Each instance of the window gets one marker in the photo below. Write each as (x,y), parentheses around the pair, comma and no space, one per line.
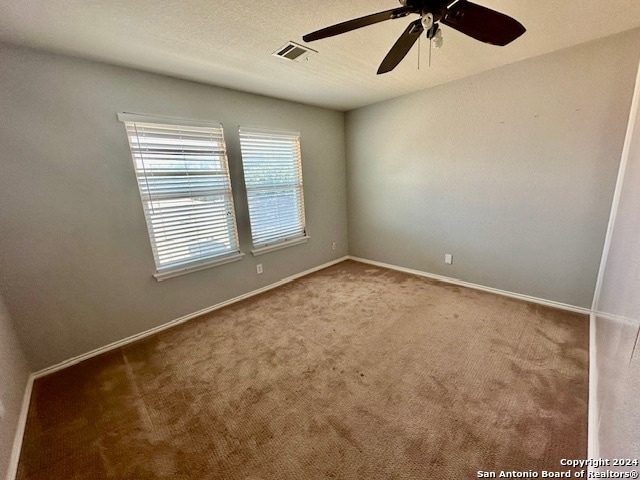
(183,178)
(273,178)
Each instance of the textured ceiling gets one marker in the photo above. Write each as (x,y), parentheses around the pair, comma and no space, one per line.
(229,42)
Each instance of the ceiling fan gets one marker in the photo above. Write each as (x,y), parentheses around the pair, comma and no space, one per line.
(477,21)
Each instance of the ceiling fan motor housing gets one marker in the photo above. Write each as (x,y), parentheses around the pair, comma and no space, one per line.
(436,7)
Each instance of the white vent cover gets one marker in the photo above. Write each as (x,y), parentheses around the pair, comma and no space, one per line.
(294,51)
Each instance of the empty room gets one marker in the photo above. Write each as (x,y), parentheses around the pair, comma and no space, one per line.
(319,240)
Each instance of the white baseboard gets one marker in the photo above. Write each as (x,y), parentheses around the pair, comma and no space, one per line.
(178,321)
(593,448)
(455,281)
(618,318)
(22,423)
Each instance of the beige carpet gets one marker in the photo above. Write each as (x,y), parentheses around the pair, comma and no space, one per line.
(353,372)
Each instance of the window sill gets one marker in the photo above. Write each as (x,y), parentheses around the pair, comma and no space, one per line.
(279,246)
(234,257)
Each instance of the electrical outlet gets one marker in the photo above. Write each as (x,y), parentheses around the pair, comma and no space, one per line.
(333,246)
(259,268)
(3,411)
(448,258)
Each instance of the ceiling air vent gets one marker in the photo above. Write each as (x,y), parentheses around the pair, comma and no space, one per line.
(293,51)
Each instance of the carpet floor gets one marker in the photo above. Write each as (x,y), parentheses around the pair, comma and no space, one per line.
(353,372)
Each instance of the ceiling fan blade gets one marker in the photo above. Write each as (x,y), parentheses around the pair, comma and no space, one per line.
(358,23)
(483,23)
(401,47)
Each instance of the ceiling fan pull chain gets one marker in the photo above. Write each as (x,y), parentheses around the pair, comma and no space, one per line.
(419,41)
(430,42)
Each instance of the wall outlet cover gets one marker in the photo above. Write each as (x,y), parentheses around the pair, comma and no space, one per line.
(448,258)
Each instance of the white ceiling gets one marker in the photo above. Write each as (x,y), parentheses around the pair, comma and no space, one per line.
(229,42)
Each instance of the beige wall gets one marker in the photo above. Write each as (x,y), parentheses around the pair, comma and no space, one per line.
(14,374)
(618,320)
(73,239)
(512,171)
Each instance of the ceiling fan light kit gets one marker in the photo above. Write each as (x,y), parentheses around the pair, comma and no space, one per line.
(427,20)
(476,21)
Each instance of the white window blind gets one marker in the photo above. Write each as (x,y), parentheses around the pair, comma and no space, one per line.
(183,177)
(273,178)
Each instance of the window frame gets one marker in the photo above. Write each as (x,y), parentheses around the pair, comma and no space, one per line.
(284,241)
(203,261)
